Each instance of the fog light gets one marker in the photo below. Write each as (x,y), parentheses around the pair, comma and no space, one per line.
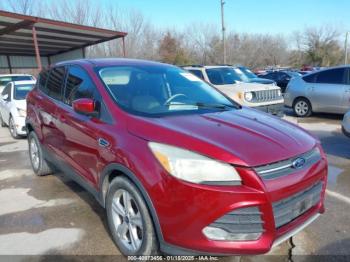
(215,233)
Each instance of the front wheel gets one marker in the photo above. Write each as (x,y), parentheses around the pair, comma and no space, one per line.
(302,107)
(39,164)
(2,123)
(129,221)
(13,129)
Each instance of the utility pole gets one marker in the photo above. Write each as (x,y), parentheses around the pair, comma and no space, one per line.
(346,48)
(223,31)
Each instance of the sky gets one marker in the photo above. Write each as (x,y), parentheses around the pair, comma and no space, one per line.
(251,16)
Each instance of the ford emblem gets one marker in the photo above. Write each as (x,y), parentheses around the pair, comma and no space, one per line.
(298,163)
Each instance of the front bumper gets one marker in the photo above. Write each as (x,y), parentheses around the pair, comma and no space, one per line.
(275,109)
(21,126)
(190,208)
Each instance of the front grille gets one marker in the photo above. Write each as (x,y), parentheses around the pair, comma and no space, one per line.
(266,95)
(292,207)
(241,221)
(286,167)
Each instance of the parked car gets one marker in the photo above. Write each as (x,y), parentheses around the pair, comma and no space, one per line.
(250,77)
(13,106)
(267,98)
(282,78)
(346,124)
(178,165)
(5,79)
(326,91)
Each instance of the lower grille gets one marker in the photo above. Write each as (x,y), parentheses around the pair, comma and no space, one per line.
(292,207)
(244,224)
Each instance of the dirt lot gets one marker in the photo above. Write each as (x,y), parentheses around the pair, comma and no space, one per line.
(54,216)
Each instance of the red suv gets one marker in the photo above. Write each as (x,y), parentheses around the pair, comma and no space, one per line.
(178,166)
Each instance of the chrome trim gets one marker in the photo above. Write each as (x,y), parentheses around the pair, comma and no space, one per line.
(275,169)
(295,230)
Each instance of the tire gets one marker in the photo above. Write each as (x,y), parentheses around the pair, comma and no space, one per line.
(2,123)
(37,160)
(302,107)
(12,128)
(137,219)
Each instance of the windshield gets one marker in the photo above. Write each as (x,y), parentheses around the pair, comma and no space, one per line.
(223,76)
(294,74)
(248,73)
(4,80)
(21,91)
(161,90)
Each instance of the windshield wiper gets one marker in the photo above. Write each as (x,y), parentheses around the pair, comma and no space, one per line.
(206,105)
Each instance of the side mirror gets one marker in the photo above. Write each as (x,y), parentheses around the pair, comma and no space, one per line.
(84,106)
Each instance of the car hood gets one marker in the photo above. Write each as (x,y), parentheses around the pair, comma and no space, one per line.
(244,87)
(243,137)
(261,81)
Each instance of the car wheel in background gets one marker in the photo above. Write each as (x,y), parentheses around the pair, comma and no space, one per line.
(39,164)
(13,129)
(129,220)
(302,107)
(2,123)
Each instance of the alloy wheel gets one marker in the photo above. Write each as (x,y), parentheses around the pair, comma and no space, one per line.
(127,220)
(34,154)
(12,128)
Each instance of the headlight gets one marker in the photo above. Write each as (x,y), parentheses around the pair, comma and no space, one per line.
(21,112)
(192,167)
(248,96)
(279,93)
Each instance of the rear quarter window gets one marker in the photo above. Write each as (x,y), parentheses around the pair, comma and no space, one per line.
(310,78)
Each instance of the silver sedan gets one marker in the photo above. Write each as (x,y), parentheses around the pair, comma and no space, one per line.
(326,91)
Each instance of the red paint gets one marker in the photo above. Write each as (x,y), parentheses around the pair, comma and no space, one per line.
(243,137)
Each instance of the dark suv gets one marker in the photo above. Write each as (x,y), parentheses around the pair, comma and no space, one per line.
(177,165)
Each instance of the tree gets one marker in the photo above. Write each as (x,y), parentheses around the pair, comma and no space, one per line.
(171,51)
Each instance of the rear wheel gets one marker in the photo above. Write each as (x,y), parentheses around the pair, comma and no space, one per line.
(302,107)
(39,164)
(129,221)
(13,129)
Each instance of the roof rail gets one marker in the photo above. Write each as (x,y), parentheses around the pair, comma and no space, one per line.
(192,66)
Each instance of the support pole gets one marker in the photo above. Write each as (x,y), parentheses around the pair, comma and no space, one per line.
(84,52)
(223,30)
(346,48)
(9,63)
(124,51)
(36,46)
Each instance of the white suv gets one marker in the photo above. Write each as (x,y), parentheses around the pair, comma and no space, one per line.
(267,98)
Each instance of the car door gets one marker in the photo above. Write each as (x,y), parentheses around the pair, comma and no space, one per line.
(346,97)
(327,92)
(5,102)
(51,87)
(82,133)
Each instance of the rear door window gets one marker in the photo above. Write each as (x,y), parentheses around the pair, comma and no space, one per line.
(310,78)
(332,76)
(54,85)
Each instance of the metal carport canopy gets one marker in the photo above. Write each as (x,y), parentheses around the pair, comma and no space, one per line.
(25,36)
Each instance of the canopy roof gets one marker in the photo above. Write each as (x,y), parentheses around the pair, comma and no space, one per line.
(18,33)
